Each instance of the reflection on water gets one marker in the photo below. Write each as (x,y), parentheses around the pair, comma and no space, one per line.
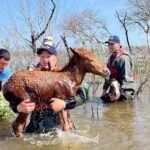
(99,126)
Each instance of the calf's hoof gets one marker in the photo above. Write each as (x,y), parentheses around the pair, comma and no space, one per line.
(16,130)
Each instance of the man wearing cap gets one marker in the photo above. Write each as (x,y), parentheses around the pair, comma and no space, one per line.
(45,119)
(121,69)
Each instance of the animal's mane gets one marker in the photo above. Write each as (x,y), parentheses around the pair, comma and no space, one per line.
(72,57)
(82,52)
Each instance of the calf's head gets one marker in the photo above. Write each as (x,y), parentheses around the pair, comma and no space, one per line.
(90,63)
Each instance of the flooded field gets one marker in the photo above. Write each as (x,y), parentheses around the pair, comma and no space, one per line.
(117,126)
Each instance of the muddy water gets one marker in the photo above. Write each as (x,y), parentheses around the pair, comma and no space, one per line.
(117,126)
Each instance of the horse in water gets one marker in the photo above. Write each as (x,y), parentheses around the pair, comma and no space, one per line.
(40,86)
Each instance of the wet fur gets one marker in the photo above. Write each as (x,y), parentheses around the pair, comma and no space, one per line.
(42,86)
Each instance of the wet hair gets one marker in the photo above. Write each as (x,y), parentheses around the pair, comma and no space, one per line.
(4,54)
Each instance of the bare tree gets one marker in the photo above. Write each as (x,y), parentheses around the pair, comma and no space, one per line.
(63,37)
(37,24)
(123,19)
(86,27)
(140,15)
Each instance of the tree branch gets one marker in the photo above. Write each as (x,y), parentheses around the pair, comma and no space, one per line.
(48,22)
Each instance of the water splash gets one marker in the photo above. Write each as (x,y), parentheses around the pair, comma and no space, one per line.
(76,138)
(63,138)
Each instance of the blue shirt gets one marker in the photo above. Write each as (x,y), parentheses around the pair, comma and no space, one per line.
(5,74)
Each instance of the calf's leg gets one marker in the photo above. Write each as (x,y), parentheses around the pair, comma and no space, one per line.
(65,121)
(19,124)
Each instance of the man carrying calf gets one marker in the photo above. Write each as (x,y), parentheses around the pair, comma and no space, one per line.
(45,119)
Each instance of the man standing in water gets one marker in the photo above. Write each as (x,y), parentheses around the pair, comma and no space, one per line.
(45,119)
(121,69)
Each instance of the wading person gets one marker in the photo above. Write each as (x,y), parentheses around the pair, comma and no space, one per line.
(5,71)
(45,119)
(121,69)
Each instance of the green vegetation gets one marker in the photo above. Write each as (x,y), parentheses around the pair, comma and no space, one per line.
(5,110)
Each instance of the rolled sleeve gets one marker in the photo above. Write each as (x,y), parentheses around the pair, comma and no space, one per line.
(81,97)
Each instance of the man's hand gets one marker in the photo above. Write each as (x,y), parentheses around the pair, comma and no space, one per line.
(57,104)
(26,106)
(53,60)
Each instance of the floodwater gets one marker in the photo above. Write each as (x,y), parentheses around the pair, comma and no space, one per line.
(115,126)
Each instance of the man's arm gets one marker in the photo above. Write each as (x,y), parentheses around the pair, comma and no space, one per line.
(81,97)
(25,106)
(125,70)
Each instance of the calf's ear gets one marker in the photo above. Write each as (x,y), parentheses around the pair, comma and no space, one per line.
(73,50)
(77,51)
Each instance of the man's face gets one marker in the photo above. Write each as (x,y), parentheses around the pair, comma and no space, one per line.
(3,64)
(113,47)
(47,58)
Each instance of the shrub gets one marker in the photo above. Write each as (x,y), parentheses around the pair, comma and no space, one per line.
(5,110)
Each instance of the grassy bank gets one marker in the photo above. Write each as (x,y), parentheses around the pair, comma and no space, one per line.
(5,110)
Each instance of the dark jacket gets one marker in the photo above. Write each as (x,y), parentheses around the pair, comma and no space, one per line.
(121,67)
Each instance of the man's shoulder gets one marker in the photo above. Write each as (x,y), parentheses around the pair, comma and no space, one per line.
(125,55)
(7,70)
(5,74)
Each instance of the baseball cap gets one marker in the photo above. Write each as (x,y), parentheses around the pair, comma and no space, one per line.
(48,45)
(50,49)
(113,39)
